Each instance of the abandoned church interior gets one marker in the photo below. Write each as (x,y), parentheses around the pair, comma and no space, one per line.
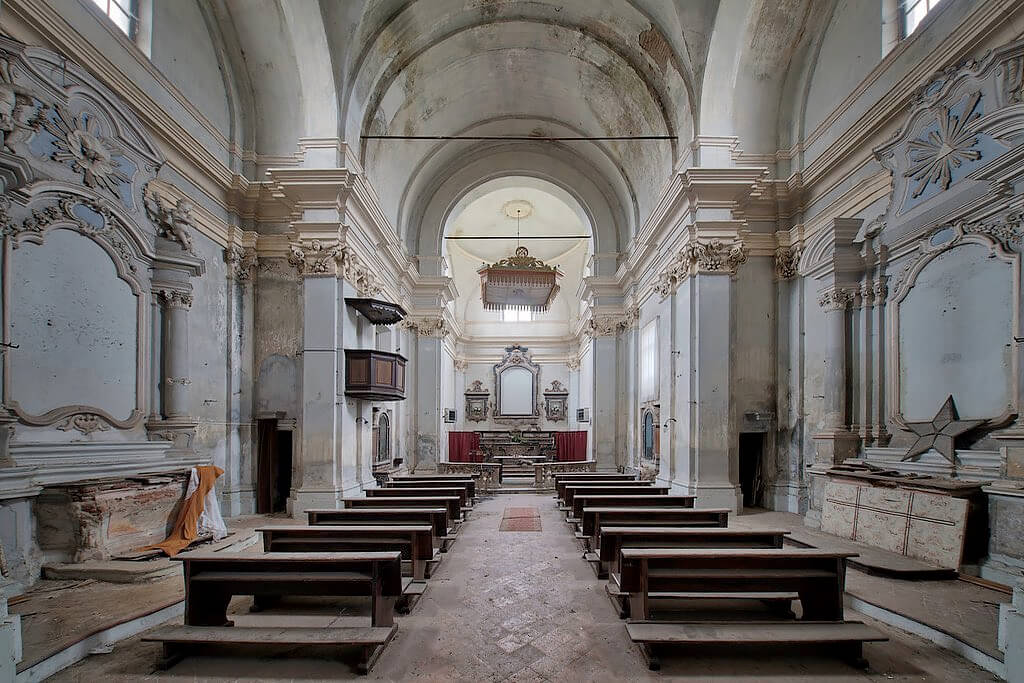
(512,340)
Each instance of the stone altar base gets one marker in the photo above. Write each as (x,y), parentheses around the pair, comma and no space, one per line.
(95,520)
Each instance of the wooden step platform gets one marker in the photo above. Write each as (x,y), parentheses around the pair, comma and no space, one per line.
(849,636)
(177,640)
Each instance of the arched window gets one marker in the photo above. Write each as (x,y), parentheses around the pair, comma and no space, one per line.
(912,13)
(124,14)
(382,446)
(650,437)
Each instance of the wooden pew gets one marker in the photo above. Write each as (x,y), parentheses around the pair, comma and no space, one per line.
(595,518)
(656,496)
(560,485)
(459,492)
(592,476)
(417,479)
(212,579)
(451,503)
(415,542)
(466,486)
(615,538)
(436,517)
(570,490)
(817,576)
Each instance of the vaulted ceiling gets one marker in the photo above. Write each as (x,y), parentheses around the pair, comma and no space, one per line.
(537,68)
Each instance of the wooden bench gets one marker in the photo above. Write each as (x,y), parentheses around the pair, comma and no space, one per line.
(845,637)
(817,576)
(459,492)
(656,497)
(595,518)
(437,518)
(212,579)
(415,542)
(451,503)
(615,538)
(412,481)
(571,489)
(562,484)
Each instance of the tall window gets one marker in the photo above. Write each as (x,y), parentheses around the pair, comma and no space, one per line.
(649,361)
(516,316)
(124,14)
(912,12)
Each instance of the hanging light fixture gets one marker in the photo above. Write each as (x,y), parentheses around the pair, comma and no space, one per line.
(518,282)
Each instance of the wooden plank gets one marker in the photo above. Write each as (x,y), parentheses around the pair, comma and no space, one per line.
(732,553)
(658,498)
(570,491)
(595,517)
(437,517)
(311,558)
(280,577)
(246,635)
(752,633)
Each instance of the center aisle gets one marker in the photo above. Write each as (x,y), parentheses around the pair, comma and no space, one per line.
(517,604)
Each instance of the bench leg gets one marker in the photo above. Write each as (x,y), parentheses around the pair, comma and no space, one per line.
(854,654)
(383,611)
(650,657)
(172,654)
(419,569)
(638,606)
(371,653)
(207,608)
(602,569)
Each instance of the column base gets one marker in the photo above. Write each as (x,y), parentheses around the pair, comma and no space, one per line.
(789,496)
(724,495)
(310,499)
(239,502)
(833,446)
(816,479)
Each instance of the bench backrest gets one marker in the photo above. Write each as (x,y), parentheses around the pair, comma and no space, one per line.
(595,517)
(655,496)
(414,542)
(437,517)
(382,566)
(450,502)
(459,492)
(467,484)
(572,488)
(614,538)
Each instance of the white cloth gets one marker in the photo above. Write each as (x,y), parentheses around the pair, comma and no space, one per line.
(210,520)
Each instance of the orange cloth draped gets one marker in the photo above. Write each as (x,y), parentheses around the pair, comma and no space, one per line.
(186,527)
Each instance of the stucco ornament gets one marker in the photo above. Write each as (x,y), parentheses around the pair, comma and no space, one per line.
(787,262)
(173,222)
(8,105)
(80,143)
(429,326)
(934,156)
(87,423)
(940,432)
(242,261)
(700,256)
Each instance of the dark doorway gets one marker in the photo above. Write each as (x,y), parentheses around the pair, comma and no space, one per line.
(274,471)
(751,473)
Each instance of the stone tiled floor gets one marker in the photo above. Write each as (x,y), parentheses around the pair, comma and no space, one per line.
(524,606)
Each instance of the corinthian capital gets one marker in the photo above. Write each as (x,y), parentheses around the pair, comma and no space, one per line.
(837,298)
(701,256)
(174,298)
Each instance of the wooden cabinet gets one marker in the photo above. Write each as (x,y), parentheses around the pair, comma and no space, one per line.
(374,375)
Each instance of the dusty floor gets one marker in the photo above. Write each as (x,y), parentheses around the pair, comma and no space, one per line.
(524,606)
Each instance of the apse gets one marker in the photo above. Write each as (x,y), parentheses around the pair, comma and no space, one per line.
(488,223)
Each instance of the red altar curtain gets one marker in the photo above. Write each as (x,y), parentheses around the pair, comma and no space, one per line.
(461,446)
(570,446)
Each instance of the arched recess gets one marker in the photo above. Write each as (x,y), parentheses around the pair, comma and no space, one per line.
(428,213)
(752,49)
(290,65)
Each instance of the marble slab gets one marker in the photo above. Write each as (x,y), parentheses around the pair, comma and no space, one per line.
(926,526)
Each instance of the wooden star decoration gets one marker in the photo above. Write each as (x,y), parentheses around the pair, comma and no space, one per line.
(940,433)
